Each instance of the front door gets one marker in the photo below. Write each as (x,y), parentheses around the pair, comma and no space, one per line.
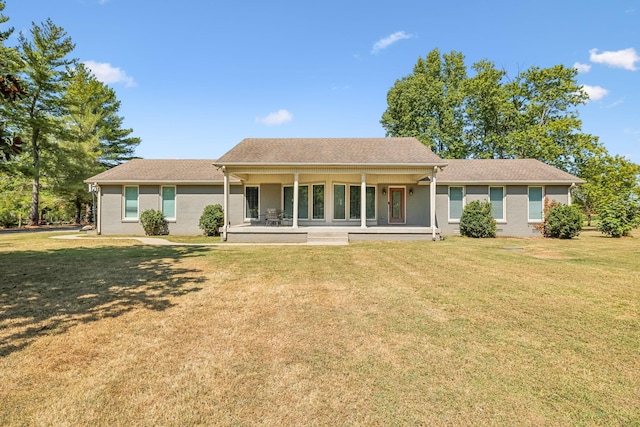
(396,205)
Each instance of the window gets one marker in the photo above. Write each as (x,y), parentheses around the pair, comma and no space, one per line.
(354,202)
(456,202)
(252,205)
(169,202)
(339,201)
(536,205)
(131,202)
(303,201)
(318,201)
(496,197)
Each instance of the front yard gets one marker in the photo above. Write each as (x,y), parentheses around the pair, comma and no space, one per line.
(460,332)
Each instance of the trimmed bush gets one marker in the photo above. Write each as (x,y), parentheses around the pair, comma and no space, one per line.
(153,223)
(211,220)
(563,221)
(617,218)
(477,220)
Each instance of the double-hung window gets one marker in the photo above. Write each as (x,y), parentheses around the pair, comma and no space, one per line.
(456,203)
(252,202)
(169,202)
(130,202)
(536,204)
(496,197)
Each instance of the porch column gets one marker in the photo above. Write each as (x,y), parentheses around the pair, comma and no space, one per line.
(432,202)
(295,200)
(98,210)
(363,198)
(225,203)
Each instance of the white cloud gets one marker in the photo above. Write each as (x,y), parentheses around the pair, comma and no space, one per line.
(105,73)
(389,40)
(595,92)
(625,58)
(582,68)
(277,118)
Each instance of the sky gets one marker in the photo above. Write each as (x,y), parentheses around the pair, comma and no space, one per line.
(195,77)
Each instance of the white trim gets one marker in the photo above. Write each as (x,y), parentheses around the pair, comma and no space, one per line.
(244,207)
(529,219)
(175,202)
(124,204)
(502,220)
(464,202)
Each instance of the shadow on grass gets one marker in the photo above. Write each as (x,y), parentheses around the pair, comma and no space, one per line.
(50,291)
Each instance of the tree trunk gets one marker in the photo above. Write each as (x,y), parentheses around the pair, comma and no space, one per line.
(34,214)
(78,217)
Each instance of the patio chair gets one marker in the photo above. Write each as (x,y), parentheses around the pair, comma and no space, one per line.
(273,217)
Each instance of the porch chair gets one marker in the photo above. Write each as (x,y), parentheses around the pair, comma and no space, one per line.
(273,217)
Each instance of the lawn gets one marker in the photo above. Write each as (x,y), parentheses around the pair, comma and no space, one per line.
(459,332)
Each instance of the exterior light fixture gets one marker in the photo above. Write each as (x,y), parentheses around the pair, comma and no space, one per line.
(384,191)
(411,191)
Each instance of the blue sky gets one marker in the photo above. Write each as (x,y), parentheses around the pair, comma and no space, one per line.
(195,77)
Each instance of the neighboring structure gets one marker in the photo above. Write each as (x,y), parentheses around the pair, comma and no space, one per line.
(361,188)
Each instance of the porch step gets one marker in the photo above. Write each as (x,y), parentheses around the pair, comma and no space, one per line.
(327,238)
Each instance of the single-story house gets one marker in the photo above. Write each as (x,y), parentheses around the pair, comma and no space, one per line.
(292,189)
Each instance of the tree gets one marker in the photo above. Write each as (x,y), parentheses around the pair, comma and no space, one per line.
(429,104)
(11,88)
(93,139)
(489,115)
(38,114)
(609,178)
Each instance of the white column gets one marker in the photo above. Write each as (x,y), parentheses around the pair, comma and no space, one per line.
(363,201)
(432,202)
(98,210)
(295,200)
(225,203)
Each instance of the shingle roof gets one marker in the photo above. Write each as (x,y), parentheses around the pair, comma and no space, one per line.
(330,151)
(503,171)
(164,170)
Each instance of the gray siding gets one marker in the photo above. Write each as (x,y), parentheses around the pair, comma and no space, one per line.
(517,207)
(190,202)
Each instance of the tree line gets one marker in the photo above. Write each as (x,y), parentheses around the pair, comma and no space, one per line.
(58,126)
(488,114)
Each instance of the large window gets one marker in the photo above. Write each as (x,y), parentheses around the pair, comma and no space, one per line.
(169,202)
(318,201)
(303,201)
(339,201)
(354,202)
(131,202)
(536,204)
(252,202)
(496,197)
(456,203)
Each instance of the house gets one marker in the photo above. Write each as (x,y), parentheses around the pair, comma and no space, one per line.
(290,189)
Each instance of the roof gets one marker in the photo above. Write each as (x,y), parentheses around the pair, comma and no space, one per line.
(160,171)
(503,171)
(330,151)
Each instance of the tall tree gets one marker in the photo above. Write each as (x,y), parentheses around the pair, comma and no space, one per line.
(38,114)
(93,139)
(11,88)
(429,104)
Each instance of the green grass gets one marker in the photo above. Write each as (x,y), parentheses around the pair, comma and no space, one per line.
(459,332)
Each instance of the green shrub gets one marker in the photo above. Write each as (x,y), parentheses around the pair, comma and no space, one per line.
(153,223)
(562,221)
(618,217)
(211,220)
(477,220)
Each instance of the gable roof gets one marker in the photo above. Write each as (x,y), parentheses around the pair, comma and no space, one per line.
(161,171)
(503,171)
(330,151)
